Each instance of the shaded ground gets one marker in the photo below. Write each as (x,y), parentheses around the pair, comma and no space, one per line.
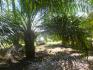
(55,57)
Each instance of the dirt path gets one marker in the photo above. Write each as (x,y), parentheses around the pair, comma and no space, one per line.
(55,58)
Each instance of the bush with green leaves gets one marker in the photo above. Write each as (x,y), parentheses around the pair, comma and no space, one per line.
(67,29)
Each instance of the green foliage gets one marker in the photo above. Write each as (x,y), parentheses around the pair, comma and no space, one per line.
(60,22)
(67,29)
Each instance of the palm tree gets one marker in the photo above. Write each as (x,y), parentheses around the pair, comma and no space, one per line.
(66,26)
(20,19)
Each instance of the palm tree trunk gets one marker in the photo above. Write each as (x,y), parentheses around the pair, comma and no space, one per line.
(29,45)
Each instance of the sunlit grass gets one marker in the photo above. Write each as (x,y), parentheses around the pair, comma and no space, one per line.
(53,42)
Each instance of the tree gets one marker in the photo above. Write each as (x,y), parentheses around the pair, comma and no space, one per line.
(20,22)
(65,25)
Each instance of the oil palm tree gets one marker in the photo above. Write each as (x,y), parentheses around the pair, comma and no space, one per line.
(20,19)
(66,26)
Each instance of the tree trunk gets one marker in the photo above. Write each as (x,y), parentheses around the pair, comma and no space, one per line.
(29,45)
